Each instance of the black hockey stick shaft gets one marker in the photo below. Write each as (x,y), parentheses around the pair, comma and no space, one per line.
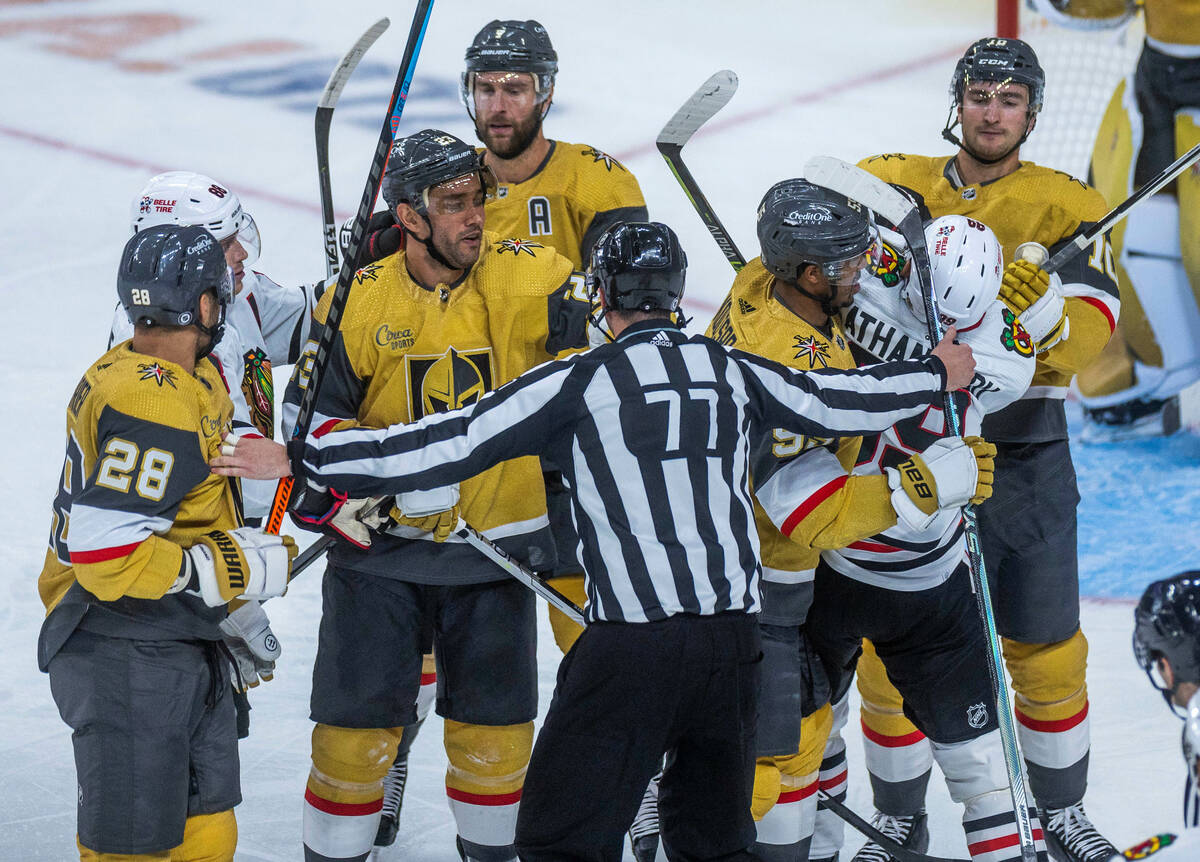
(701,107)
(899,853)
(416,34)
(324,118)
(874,193)
(711,96)
(1121,210)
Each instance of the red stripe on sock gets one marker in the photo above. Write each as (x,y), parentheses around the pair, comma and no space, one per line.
(993,844)
(819,497)
(798,794)
(428,678)
(343,809)
(892,741)
(840,778)
(483,798)
(1060,726)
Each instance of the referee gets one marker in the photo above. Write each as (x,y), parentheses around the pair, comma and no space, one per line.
(653,433)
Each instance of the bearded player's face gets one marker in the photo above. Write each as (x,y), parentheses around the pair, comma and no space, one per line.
(994,115)
(508,114)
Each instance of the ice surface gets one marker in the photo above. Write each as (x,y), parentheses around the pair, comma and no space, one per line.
(100,95)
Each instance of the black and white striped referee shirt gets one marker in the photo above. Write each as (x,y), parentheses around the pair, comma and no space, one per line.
(653,435)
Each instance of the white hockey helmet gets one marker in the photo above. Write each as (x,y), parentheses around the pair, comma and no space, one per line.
(967,264)
(189,198)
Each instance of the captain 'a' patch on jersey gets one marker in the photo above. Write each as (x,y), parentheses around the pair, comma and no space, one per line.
(447,382)
(574,195)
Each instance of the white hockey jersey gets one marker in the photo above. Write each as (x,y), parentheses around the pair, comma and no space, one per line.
(266,325)
(882,326)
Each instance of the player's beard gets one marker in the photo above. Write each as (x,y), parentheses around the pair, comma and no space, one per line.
(454,253)
(990,148)
(523,134)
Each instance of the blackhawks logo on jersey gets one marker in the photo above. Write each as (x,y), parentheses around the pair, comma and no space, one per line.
(812,349)
(888,264)
(516,246)
(154,371)
(1014,337)
(1150,846)
(455,379)
(259,389)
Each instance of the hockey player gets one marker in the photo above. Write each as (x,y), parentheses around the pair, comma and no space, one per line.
(1166,643)
(455,314)
(908,587)
(1153,117)
(668,662)
(1028,526)
(146,552)
(554,193)
(267,324)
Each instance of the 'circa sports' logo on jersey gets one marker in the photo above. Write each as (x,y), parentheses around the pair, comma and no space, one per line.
(516,246)
(211,425)
(154,371)
(599,156)
(396,339)
(816,351)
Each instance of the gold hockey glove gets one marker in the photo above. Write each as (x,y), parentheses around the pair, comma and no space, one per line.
(1035,297)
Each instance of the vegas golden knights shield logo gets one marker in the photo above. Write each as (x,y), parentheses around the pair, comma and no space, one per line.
(455,379)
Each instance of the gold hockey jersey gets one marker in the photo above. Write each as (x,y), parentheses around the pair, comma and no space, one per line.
(403,351)
(1176,22)
(135,490)
(1042,205)
(573,196)
(829,512)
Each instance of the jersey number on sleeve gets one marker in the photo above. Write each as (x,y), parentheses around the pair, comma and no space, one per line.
(72,480)
(121,456)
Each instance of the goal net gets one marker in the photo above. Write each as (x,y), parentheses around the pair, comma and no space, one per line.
(1082,68)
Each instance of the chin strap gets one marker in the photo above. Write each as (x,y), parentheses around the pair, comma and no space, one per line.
(952,123)
(430,247)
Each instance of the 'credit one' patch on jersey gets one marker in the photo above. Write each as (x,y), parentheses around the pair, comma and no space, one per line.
(447,382)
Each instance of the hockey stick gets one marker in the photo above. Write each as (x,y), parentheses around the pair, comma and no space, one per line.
(898,852)
(325,105)
(1121,210)
(416,34)
(712,96)
(481,543)
(878,196)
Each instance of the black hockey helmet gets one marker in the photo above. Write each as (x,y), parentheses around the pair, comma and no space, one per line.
(165,270)
(511,46)
(638,266)
(800,224)
(1167,625)
(996,59)
(423,160)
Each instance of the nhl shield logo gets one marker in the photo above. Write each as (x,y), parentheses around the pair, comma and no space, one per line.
(977,715)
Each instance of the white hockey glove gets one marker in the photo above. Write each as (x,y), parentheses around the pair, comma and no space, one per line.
(1036,298)
(949,474)
(254,647)
(434,511)
(242,563)
(356,519)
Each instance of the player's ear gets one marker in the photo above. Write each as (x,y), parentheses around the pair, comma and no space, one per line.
(410,220)
(1166,672)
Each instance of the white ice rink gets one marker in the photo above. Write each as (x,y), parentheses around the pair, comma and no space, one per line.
(98,96)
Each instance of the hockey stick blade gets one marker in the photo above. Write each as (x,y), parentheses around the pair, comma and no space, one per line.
(710,98)
(324,118)
(703,105)
(901,854)
(858,185)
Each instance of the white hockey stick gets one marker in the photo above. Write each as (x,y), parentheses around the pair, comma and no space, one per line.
(875,194)
(325,105)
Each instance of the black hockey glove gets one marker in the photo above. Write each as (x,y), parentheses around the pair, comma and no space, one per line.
(381,238)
